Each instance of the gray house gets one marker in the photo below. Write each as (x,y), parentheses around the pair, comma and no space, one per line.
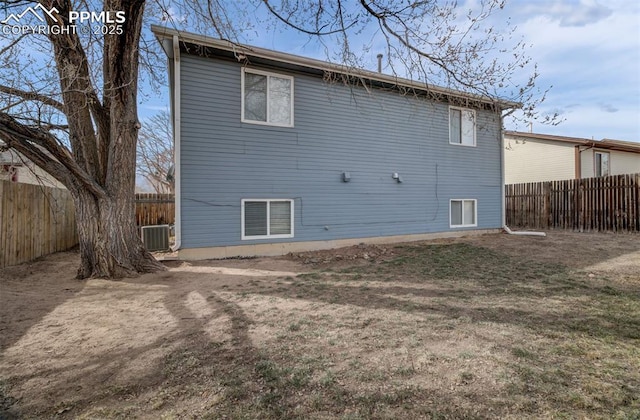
(278,153)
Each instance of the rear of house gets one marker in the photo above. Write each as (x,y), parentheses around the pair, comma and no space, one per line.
(278,153)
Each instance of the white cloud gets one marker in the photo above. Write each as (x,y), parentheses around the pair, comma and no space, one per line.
(592,122)
(594,67)
(608,108)
(569,13)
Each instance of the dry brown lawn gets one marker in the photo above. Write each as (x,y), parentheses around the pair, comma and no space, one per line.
(495,326)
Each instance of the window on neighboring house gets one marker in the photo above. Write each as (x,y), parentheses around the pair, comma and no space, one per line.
(267,98)
(10,171)
(602,163)
(267,219)
(463,213)
(462,126)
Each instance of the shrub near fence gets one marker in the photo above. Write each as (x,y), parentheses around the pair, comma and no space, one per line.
(592,204)
(155,209)
(34,221)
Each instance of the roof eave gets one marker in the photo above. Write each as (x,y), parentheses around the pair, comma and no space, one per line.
(162,32)
(605,144)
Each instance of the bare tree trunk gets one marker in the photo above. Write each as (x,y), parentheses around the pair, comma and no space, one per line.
(109,241)
(110,245)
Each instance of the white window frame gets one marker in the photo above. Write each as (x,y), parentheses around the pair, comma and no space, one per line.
(475,125)
(268,75)
(475,213)
(268,235)
(595,161)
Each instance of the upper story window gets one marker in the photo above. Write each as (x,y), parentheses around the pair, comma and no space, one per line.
(462,126)
(267,98)
(601,164)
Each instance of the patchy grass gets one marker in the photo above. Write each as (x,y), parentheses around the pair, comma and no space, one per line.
(472,328)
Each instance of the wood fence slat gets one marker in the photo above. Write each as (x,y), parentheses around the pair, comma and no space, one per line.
(30,223)
(636,200)
(155,209)
(592,204)
(37,220)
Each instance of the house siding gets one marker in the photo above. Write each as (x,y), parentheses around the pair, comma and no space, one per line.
(624,162)
(337,128)
(587,169)
(620,163)
(531,160)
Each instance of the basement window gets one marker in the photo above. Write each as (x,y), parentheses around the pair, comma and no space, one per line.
(267,218)
(463,213)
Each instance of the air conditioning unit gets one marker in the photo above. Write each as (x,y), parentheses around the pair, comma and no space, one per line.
(156,238)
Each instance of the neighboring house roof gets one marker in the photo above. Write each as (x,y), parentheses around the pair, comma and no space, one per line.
(28,172)
(9,157)
(295,62)
(619,145)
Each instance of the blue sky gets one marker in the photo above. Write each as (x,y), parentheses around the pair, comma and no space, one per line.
(590,52)
(587,50)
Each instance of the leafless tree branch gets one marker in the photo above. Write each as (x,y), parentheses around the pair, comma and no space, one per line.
(316,32)
(49,155)
(32,96)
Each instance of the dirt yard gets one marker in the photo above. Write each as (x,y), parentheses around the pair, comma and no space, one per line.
(495,326)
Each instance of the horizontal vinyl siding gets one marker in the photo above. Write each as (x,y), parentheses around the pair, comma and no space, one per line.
(531,160)
(624,162)
(337,129)
(620,163)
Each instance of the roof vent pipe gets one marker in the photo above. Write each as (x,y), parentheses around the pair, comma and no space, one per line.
(379,63)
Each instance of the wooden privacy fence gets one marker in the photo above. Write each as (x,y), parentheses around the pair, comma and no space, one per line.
(34,221)
(593,204)
(155,209)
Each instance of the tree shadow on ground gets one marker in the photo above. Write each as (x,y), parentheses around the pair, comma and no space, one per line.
(190,364)
(200,376)
(28,294)
(481,284)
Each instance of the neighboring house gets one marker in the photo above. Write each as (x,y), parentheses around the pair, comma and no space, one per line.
(278,153)
(530,157)
(15,167)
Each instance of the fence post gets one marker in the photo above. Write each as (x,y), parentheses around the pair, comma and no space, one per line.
(601,204)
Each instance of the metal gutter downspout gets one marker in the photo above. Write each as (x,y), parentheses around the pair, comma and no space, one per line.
(176,142)
(503,189)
